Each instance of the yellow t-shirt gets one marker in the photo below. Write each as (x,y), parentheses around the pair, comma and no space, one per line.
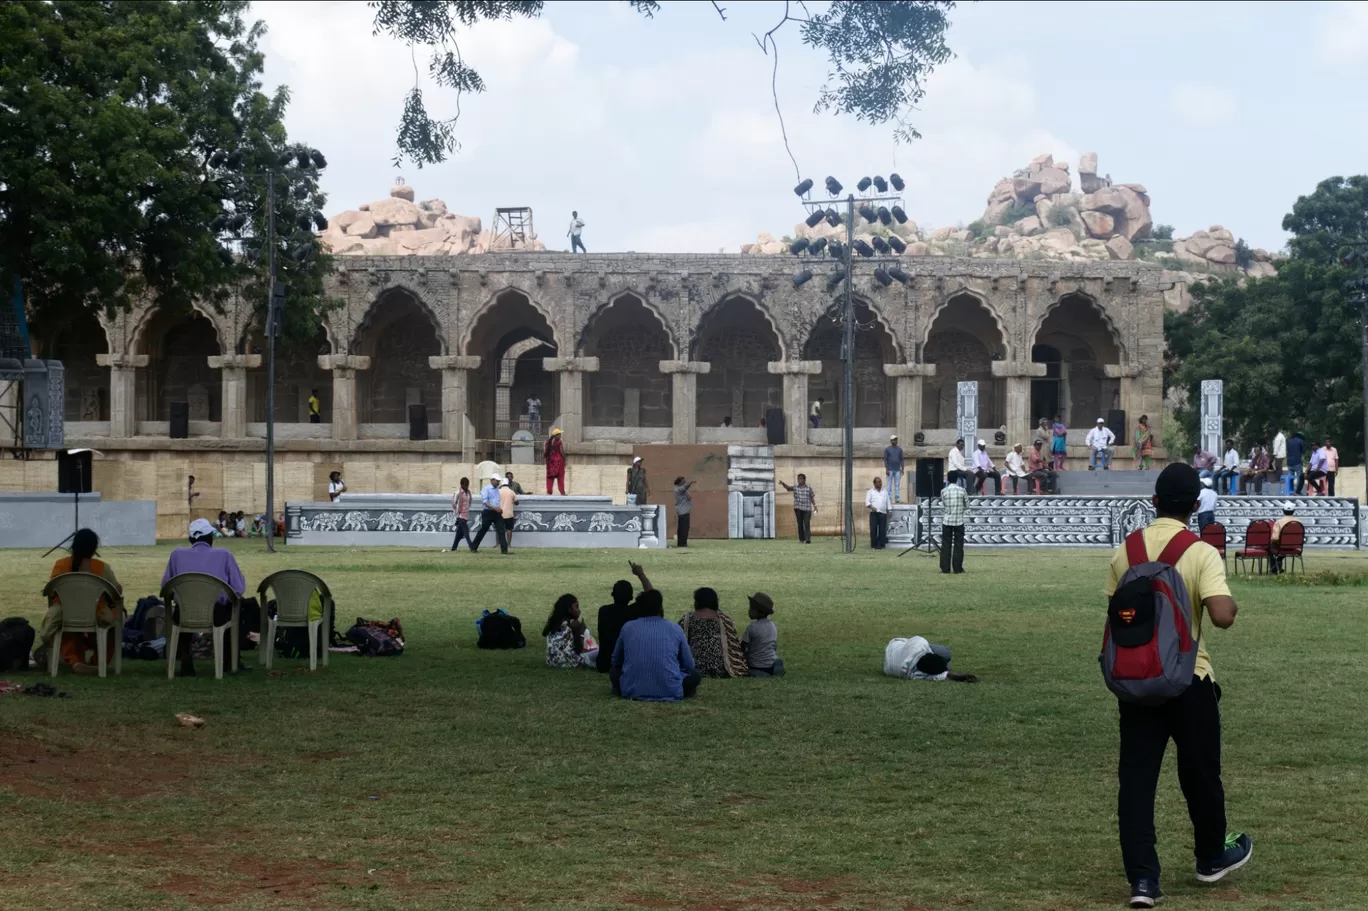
(314,407)
(1202,570)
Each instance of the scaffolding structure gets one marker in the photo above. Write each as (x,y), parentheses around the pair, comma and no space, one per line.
(512,228)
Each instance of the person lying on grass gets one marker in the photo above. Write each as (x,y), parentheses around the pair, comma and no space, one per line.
(568,642)
(918,659)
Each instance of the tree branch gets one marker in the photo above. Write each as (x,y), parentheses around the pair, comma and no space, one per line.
(767,43)
(721,10)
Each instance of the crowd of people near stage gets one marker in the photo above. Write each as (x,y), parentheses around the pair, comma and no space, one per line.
(1311,468)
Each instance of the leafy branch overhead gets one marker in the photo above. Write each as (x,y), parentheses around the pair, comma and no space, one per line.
(880,54)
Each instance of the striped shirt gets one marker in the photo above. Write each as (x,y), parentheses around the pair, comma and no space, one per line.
(802,498)
(654,657)
(954,502)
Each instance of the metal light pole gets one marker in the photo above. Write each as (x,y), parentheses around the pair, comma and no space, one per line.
(271,330)
(1360,248)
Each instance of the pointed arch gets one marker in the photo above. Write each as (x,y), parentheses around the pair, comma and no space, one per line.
(963,337)
(510,320)
(959,294)
(1075,338)
(399,333)
(624,296)
(386,298)
(1081,300)
(509,295)
(740,338)
(731,297)
(630,338)
(875,345)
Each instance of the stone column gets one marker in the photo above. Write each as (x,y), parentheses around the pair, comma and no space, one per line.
(344,367)
(233,422)
(795,374)
(908,414)
(456,423)
(1018,375)
(684,398)
(123,392)
(571,370)
(1131,401)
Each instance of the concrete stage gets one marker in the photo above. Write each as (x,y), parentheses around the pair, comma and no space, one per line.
(44,519)
(427,520)
(1104,521)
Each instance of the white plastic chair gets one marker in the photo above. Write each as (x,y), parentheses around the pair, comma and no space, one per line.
(80,594)
(195,594)
(293,589)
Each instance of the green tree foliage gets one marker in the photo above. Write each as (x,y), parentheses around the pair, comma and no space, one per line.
(1287,346)
(1162,232)
(880,55)
(109,115)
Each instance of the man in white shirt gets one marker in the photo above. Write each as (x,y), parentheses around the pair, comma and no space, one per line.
(1279,454)
(1099,442)
(1206,504)
(576,226)
(336,486)
(1230,467)
(534,414)
(1016,469)
(815,412)
(985,469)
(955,468)
(876,501)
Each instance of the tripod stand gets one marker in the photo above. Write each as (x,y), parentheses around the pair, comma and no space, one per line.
(932,548)
(75,499)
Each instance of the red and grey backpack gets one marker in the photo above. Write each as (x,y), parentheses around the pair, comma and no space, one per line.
(1148,654)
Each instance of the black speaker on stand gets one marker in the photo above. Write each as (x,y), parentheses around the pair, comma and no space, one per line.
(774,427)
(180,420)
(73,477)
(1116,422)
(930,478)
(418,428)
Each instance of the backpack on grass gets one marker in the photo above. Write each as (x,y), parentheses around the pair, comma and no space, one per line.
(499,629)
(377,638)
(1148,654)
(16,642)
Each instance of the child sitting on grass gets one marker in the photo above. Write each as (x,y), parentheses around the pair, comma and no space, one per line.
(760,642)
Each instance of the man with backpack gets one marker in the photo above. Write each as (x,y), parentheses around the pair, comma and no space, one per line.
(1154,658)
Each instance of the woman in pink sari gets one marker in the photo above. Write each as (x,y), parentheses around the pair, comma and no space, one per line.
(554,457)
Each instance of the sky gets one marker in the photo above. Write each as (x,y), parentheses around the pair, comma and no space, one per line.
(662,132)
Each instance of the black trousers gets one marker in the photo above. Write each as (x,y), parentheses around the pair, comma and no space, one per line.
(315,419)
(980,476)
(490,517)
(952,548)
(878,530)
(1330,478)
(462,534)
(1193,721)
(804,517)
(691,682)
(1315,478)
(682,530)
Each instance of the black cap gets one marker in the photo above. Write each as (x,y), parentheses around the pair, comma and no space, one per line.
(1177,488)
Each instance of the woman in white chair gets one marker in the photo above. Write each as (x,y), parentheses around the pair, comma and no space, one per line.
(77,648)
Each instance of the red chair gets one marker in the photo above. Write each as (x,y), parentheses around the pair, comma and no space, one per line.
(1290,542)
(1215,535)
(1258,537)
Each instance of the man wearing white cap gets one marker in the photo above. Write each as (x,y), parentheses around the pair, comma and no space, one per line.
(1206,504)
(636,482)
(1275,562)
(201,557)
(491,513)
(893,467)
(1100,441)
(985,469)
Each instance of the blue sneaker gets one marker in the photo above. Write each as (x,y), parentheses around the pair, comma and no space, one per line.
(1239,848)
(1145,893)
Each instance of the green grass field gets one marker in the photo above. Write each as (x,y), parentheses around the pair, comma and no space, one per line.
(455,778)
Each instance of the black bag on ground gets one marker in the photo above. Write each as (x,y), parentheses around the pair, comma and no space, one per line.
(16,643)
(377,638)
(500,629)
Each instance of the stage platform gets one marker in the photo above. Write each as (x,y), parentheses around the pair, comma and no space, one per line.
(1106,483)
(1104,521)
(44,519)
(427,520)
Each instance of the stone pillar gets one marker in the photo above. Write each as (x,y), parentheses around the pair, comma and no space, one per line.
(233,422)
(908,408)
(344,367)
(967,412)
(123,391)
(456,424)
(1131,401)
(1018,375)
(684,398)
(571,370)
(1211,434)
(795,374)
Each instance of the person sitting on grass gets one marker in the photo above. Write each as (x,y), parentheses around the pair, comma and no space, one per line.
(652,661)
(760,641)
(223,527)
(568,642)
(201,557)
(613,617)
(712,637)
(78,649)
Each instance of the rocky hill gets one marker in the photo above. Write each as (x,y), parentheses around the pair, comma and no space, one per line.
(1037,214)
(398,226)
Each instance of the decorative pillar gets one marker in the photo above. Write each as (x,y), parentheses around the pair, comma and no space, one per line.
(123,392)
(233,422)
(795,374)
(344,367)
(684,398)
(1212,436)
(1018,375)
(908,414)
(571,370)
(967,412)
(456,424)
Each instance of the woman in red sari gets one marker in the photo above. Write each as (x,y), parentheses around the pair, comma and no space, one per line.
(554,457)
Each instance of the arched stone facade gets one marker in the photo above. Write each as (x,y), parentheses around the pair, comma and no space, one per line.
(643,348)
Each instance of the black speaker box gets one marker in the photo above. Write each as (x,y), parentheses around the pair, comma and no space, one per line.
(774,427)
(180,420)
(930,477)
(73,472)
(1116,422)
(418,422)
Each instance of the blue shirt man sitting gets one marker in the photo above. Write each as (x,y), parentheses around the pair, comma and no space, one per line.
(652,661)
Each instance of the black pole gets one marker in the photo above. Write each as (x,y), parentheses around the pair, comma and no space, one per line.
(271,329)
(848,403)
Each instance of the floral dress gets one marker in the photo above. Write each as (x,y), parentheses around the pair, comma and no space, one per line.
(715,645)
(560,649)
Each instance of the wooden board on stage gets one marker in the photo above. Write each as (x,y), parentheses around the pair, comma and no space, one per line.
(705,464)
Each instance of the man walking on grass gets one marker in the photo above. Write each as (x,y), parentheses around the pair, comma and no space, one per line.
(1192,719)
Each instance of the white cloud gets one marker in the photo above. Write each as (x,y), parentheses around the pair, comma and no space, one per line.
(681,152)
(1344,32)
(1203,105)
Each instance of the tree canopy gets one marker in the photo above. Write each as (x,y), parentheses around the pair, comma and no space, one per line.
(880,56)
(1287,346)
(109,115)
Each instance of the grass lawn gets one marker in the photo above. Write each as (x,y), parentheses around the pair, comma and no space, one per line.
(455,778)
